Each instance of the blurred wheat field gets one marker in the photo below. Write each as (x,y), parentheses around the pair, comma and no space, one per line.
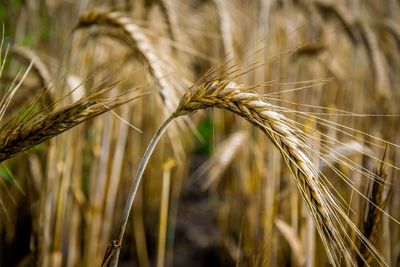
(280,145)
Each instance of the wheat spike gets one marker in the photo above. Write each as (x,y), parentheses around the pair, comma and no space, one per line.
(138,40)
(231,96)
(41,127)
(228,95)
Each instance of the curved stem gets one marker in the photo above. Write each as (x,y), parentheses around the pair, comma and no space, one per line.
(112,254)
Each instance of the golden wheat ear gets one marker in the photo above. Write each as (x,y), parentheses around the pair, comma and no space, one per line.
(296,153)
(228,95)
(16,137)
(138,41)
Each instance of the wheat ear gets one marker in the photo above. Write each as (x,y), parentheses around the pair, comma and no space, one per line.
(41,127)
(251,106)
(134,36)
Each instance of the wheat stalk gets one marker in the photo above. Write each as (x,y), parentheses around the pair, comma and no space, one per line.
(393,28)
(294,242)
(371,224)
(377,59)
(335,10)
(220,160)
(228,95)
(39,68)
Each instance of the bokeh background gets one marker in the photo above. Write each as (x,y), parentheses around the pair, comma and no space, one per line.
(216,191)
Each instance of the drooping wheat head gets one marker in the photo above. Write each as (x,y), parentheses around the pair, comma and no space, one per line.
(230,96)
(136,38)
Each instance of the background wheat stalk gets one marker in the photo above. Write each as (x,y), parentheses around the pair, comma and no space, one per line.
(372,219)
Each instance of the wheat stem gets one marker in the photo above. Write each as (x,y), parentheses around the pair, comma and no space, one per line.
(112,254)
